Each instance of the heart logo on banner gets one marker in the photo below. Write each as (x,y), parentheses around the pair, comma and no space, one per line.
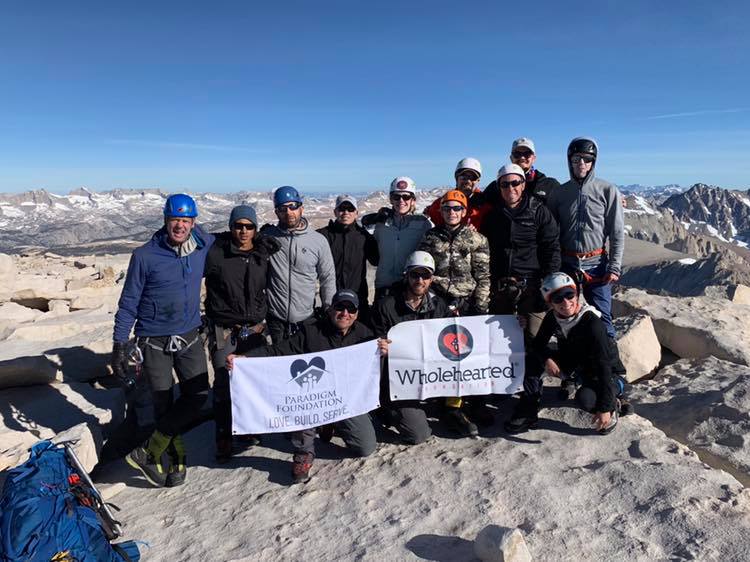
(457,343)
(304,373)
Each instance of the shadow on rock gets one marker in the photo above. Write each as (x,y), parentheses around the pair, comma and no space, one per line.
(441,549)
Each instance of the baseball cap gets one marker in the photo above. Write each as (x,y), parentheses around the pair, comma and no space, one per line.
(346,199)
(345,295)
(523,142)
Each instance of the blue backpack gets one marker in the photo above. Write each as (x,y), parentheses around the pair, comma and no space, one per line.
(49,511)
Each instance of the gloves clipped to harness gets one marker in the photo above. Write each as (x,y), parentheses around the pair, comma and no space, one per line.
(120,365)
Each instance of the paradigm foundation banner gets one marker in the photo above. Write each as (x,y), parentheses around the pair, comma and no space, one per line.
(458,356)
(279,394)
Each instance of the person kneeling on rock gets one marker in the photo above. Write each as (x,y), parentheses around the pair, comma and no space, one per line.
(583,348)
(339,328)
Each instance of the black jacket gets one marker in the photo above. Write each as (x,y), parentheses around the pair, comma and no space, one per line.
(352,247)
(586,350)
(392,309)
(524,242)
(313,337)
(539,185)
(236,281)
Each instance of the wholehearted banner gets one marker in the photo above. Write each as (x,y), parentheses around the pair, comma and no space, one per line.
(457,356)
(278,394)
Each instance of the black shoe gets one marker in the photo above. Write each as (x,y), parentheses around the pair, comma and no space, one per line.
(301,465)
(457,421)
(521,423)
(625,408)
(151,468)
(244,442)
(177,468)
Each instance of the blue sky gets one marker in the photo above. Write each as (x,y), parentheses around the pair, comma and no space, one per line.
(333,96)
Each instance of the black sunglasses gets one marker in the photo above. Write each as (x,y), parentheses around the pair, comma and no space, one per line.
(558,298)
(469,176)
(521,154)
(584,158)
(402,196)
(420,275)
(346,208)
(454,208)
(507,184)
(243,226)
(290,207)
(342,306)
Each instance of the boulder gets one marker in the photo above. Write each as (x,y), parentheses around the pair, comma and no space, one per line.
(57,308)
(59,327)
(35,291)
(86,440)
(27,371)
(741,294)
(639,347)
(93,297)
(501,544)
(704,403)
(7,273)
(692,326)
(14,313)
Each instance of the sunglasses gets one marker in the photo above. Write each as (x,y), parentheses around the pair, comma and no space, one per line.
(416,275)
(507,184)
(452,208)
(521,154)
(401,196)
(558,298)
(468,176)
(585,158)
(346,208)
(290,207)
(342,306)
(243,226)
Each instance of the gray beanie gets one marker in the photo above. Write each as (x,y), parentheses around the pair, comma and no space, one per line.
(243,212)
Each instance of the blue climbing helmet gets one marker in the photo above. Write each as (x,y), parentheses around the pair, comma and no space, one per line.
(180,205)
(286,194)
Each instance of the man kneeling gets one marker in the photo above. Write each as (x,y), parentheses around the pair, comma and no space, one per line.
(339,328)
(583,348)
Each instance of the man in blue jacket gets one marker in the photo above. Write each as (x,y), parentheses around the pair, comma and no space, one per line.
(161,297)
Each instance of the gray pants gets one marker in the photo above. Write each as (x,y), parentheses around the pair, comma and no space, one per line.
(358,433)
(173,417)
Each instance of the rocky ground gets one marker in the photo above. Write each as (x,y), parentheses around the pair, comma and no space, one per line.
(669,483)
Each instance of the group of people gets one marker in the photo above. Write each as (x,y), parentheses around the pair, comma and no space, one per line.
(525,245)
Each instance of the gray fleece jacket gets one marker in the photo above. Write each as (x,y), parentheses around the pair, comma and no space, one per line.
(589,215)
(303,260)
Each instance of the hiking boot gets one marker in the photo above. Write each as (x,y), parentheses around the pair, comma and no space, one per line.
(223,450)
(520,423)
(246,441)
(457,421)
(325,433)
(567,389)
(612,424)
(151,468)
(177,469)
(624,408)
(301,465)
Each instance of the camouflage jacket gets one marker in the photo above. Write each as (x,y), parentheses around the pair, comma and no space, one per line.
(462,266)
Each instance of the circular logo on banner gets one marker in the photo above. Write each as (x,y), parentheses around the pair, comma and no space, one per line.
(455,342)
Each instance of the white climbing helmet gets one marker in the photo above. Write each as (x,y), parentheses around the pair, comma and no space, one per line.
(403,184)
(469,164)
(420,259)
(554,282)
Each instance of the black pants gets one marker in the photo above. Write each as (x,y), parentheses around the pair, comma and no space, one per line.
(223,342)
(281,330)
(358,433)
(175,417)
(407,416)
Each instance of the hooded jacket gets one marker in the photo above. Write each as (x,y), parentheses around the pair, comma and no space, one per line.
(236,281)
(304,259)
(352,247)
(162,290)
(462,265)
(397,237)
(524,241)
(589,214)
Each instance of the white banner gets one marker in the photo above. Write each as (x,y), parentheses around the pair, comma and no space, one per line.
(457,356)
(278,394)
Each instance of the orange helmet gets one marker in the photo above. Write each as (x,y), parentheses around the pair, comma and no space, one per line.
(455,195)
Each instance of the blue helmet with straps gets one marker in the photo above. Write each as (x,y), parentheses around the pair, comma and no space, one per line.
(286,194)
(180,205)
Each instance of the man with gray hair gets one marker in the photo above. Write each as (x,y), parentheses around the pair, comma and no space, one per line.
(352,247)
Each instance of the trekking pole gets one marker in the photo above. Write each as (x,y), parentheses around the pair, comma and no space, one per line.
(112,527)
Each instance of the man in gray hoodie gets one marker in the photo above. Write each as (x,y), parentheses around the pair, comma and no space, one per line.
(589,212)
(303,261)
